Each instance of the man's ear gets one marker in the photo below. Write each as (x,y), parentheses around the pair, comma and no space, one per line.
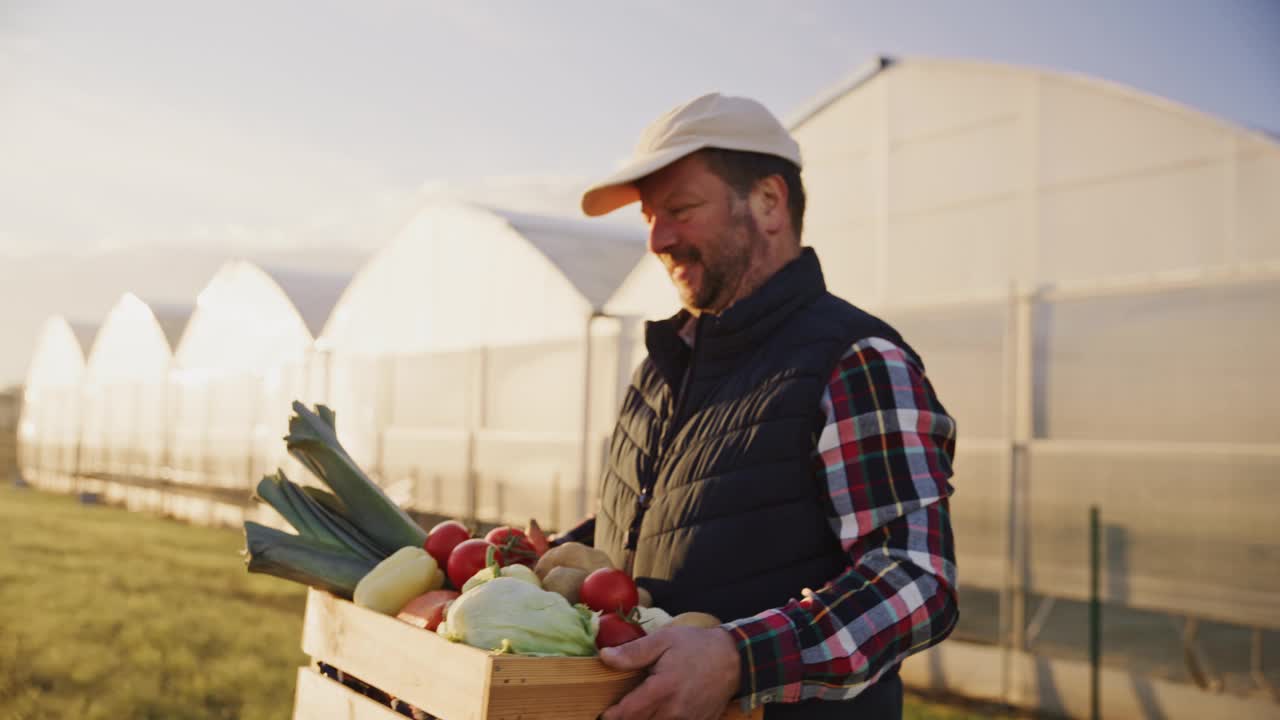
(769,204)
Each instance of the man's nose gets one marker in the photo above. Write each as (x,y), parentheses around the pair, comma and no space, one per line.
(661,237)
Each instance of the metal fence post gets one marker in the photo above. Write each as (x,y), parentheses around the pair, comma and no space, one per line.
(1095,614)
(1019,425)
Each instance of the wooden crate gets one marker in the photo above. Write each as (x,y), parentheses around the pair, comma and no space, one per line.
(448,680)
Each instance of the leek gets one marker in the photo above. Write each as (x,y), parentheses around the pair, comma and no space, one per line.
(326,498)
(341,535)
(336,526)
(313,440)
(303,560)
(271,492)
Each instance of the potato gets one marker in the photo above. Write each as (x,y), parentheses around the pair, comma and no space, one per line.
(566,581)
(572,554)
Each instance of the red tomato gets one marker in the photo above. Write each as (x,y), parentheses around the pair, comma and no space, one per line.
(515,546)
(502,532)
(428,609)
(609,590)
(443,538)
(467,559)
(616,630)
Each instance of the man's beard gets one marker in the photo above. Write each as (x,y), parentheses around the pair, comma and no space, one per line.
(723,273)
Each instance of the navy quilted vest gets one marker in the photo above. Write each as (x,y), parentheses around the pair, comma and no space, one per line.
(710,496)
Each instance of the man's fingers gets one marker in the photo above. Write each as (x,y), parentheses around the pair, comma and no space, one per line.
(635,655)
(641,703)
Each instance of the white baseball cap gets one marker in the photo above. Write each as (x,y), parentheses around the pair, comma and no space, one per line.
(710,121)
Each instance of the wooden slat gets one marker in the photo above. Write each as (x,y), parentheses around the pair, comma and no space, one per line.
(319,697)
(550,688)
(563,688)
(457,682)
(566,688)
(420,667)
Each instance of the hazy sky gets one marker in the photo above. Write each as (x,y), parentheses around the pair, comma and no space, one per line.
(248,126)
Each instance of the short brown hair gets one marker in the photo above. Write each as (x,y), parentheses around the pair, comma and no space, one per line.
(741,170)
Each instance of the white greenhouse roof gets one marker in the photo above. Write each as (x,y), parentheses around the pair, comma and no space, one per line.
(58,359)
(131,346)
(853,81)
(933,180)
(877,64)
(248,319)
(595,256)
(461,275)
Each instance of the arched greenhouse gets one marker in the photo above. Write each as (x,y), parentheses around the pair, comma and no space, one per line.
(459,362)
(124,389)
(49,427)
(250,328)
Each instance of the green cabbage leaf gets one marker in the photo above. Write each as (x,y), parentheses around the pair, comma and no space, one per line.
(506,614)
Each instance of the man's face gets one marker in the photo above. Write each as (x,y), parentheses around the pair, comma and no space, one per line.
(702,232)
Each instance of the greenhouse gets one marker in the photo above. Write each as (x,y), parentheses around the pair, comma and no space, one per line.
(459,363)
(49,428)
(228,410)
(124,389)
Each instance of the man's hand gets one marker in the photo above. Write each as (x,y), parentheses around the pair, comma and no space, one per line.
(693,673)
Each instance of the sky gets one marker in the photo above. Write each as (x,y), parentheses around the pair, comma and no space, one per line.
(142,142)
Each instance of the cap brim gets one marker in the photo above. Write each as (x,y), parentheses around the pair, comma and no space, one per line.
(619,188)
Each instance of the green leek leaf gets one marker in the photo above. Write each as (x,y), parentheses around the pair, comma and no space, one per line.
(313,440)
(303,560)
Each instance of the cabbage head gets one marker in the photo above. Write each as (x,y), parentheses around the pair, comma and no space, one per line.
(490,572)
(510,615)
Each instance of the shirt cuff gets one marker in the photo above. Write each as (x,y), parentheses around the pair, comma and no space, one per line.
(772,669)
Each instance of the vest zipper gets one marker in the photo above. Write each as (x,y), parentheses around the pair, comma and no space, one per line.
(673,426)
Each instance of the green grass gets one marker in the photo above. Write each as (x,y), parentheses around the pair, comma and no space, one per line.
(111,614)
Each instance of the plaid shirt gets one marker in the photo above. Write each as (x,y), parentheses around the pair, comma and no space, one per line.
(884,456)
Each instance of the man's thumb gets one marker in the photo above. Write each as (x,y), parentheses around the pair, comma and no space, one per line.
(635,655)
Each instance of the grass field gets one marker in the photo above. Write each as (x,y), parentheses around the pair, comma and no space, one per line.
(109,614)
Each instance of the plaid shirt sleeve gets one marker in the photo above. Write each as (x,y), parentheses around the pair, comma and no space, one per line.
(884,455)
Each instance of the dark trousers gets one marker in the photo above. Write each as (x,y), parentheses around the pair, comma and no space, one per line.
(882,701)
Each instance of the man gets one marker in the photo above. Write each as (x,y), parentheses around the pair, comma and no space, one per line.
(780,460)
